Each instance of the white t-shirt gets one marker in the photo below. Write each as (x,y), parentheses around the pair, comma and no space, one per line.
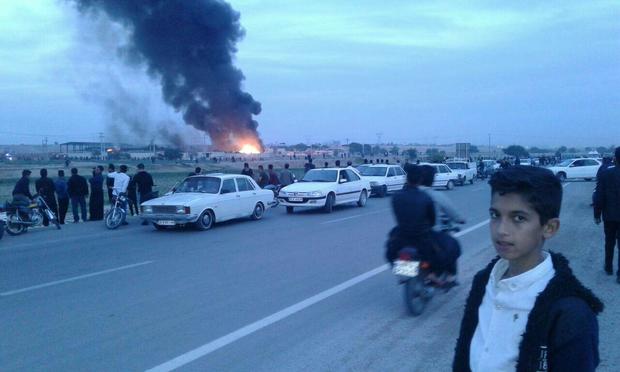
(503,314)
(121,181)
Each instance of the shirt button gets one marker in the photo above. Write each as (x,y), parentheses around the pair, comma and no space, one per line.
(498,307)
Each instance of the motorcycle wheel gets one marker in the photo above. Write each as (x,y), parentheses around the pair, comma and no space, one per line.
(15,229)
(414,299)
(113,218)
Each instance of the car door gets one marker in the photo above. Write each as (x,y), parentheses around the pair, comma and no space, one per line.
(590,168)
(356,185)
(401,178)
(229,198)
(343,188)
(248,198)
(391,179)
(576,169)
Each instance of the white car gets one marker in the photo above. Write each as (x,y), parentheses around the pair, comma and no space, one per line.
(444,176)
(204,200)
(325,188)
(465,171)
(576,168)
(384,178)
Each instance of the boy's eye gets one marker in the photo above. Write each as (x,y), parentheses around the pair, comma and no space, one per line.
(493,214)
(519,218)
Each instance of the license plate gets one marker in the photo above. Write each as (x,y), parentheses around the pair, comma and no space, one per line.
(296,199)
(406,268)
(166,223)
(3,216)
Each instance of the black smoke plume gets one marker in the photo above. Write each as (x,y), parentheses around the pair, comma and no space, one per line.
(189,46)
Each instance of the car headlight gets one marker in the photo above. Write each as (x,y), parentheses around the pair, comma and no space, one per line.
(374,183)
(282,193)
(147,209)
(182,209)
(316,193)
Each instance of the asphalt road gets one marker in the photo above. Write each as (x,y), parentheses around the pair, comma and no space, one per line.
(307,291)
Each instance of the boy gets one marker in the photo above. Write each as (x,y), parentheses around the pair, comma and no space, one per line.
(526,311)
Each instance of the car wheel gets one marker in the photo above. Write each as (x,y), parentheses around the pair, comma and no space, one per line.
(450,185)
(329,203)
(383,191)
(363,199)
(471,182)
(259,211)
(562,176)
(289,210)
(205,221)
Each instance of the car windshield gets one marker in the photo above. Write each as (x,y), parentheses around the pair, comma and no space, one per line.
(457,165)
(208,185)
(373,171)
(320,175)
(565,163)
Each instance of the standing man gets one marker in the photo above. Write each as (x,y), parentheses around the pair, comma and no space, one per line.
(109,181)
(95,205)
(144,182)
(309,165)
(607,204)
(63,197)
(77,188)
(196,172)
(337,163)
(273,176)
(263,177)
(286,177)
(247,171)
(121,182)
(46,188)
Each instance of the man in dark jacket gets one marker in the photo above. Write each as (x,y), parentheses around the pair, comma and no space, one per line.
(95,204)
(21,192)
(144,183)
(77,188)
(607,205)
(63,197)
(247,171)
(46,188)
(273,176)
(263,177)
(415,217)
(109,182)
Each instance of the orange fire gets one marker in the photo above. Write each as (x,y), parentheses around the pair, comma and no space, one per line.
(249,149)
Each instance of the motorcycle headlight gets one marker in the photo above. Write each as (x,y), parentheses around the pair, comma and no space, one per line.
(147,209)
(316,193)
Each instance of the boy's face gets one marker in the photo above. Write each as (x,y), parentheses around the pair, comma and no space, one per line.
(516,230)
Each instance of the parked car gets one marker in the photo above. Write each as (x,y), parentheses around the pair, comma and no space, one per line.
(205,200)
(576,169)
(325,188)
(384,178)
(444,176)
(466,171)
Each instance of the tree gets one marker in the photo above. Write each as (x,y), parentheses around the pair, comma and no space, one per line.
(299,147)
(562,149)
(537,150)
(572,150)
(411,153)
(601,150)
(394,150)
(367,149)
(435,156)
(356,148)
(377,150)
(516,151)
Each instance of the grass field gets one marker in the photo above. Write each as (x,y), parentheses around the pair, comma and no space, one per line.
(165,174)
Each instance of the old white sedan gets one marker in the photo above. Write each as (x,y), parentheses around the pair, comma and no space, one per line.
(576,168)
(325,188)
(384,178)
(204,200)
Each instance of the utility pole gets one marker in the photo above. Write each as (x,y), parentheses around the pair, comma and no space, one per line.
(45,148)
(101,149)
(489,145)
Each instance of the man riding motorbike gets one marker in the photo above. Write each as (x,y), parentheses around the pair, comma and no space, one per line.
(21,193)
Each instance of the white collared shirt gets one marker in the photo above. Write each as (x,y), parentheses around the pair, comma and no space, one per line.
(503,314)
(121,181)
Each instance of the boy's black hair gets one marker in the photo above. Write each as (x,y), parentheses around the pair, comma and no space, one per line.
(538,186)
(74,171)
(286,166)
(43,172)
(61,173)
(26,172)
(427,175)
(414,174)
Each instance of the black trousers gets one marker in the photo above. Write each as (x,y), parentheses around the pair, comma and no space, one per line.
(63,206)
(612,238)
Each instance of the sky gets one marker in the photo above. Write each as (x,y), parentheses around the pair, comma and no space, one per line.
(535,73)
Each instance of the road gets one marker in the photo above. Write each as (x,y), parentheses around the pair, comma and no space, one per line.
(307,291)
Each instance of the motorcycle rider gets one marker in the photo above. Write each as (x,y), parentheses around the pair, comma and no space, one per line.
(448,248)
(415,217)
(121,181)
(21,193)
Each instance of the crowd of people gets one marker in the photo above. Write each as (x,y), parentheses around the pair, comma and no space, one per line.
(58,193)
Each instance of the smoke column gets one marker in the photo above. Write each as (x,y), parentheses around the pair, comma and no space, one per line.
(188,45)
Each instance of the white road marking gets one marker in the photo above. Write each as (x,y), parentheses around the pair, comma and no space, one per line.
(219,343)
(49,284)
(354,216)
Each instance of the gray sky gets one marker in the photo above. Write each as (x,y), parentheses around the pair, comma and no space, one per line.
(542,73)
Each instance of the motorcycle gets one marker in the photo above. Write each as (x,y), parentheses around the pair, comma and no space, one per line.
(276,190)
(20,218)
(414,274)
(115,216)
(3,218)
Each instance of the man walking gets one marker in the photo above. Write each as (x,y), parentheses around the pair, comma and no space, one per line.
(77,188)
(607,205)
(63,197)
(45,187)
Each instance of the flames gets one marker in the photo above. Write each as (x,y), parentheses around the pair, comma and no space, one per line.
(249,149)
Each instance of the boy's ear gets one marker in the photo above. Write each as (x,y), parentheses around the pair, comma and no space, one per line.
(551,228)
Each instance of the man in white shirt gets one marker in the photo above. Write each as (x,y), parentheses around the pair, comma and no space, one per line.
(121,181)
